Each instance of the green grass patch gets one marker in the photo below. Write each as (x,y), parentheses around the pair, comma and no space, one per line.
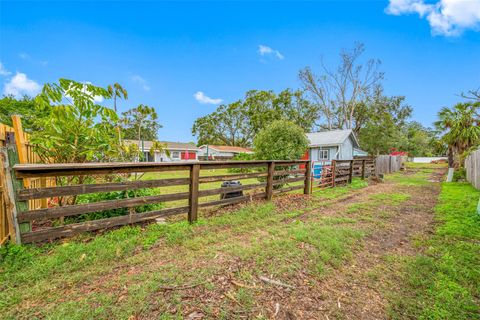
(444,281)
(337,192)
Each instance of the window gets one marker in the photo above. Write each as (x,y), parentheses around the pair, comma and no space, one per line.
(175,155)
(323,154)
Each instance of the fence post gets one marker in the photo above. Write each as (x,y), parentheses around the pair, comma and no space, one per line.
(13,185)
(193,189)
(334,170)
(269,188)
(350,176)
(363,169)
(308,178)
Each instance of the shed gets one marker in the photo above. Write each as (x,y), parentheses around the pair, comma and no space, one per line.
(333,145)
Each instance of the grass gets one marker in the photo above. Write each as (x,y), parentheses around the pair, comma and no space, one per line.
(444,281)
(337,192)
(74,279)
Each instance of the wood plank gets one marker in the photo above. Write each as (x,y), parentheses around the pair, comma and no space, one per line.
(308,179)
(38,193)
(58,171)
(283,190)
(232,200)
(69,169)
(269,188)
(229,177)
(193,193)
(210,192)
(287,180)
(76,228)
(76,209)
(289,172)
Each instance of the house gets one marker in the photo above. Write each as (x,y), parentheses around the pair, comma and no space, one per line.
(178,151)
(215,152)
(333,145)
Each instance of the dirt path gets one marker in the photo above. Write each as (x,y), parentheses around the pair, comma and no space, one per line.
(354,291)
(213,270)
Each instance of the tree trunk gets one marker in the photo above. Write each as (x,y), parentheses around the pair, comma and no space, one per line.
(450,157)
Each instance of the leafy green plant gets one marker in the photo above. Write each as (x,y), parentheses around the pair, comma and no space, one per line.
(115,195)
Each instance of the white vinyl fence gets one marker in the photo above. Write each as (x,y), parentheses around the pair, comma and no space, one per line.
(472,166)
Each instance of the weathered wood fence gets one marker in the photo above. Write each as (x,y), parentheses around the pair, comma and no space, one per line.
(386,164)
(338,172)
(273,177)
(472,168)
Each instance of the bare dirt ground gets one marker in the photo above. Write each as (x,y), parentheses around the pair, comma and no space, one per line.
(215,271)
(354,290)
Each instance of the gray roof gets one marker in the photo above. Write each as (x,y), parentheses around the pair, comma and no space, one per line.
(330,138)
(170,145)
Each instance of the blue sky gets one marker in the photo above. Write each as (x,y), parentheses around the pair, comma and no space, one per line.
(165,52)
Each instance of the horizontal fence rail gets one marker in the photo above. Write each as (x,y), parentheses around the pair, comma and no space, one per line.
(189,186)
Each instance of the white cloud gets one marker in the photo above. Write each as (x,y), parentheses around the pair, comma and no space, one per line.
(20,85)
(203,99)
(24,56)
(267,51)
(140,81)
(446,17)
(3,71)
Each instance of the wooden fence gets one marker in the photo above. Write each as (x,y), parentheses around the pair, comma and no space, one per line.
(472,168)
(271,178)
(15,136)
(337,172)
(386,164)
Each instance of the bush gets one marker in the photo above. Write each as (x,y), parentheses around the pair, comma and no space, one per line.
(115,195)
(244,157)
(459,175)
(281,140)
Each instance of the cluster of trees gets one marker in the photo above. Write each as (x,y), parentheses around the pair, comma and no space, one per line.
(459,127)
(349,96)
(66,124)
(238,123)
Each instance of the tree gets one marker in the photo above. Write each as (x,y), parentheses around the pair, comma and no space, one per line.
(280,140)
(338,93)
(117,91)
(75,128)
(383,124)
(237,124)
(140,123)
(460,128)
(419,141)
(25,107)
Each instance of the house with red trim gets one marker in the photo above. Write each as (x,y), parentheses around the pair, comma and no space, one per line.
(177,151)
(216,152)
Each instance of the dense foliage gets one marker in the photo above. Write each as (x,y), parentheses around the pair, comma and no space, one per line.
(460,128)
(25,107)
(238,123)
(76,129)
(140,123)
(281,140)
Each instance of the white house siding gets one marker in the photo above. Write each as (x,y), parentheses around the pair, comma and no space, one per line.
(332,152)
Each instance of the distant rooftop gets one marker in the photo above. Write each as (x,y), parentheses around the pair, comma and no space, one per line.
(232,149)
(170,145)
(331,137)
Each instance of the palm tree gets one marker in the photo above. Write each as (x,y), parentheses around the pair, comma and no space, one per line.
(160,147)
(117,91)
(460,126)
